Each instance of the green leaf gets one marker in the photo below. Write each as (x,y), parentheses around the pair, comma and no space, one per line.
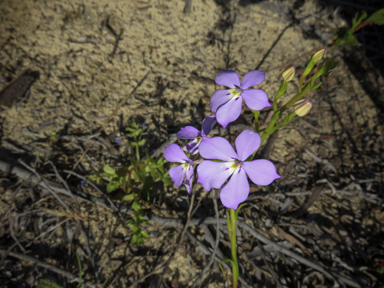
(48,284)
(140,241)
(228,260)
(133,144)
(239,208)
(129,197)
(357,21)
(325,69)
(134,239)
(134,228)
(145,234)
(136,205)
(112,186)
(316,86)
(377,17)
(351,40)
(133,161)
(141,142)
(109,170)
(135,133)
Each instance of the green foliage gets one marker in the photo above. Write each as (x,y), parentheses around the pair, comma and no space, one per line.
(377,17)
(138,235)
(136,180)
(345,36)
(53,137)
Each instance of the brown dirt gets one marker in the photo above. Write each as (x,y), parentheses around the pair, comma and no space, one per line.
(164,64)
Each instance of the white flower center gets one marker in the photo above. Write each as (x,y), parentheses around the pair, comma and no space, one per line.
(235,92)
(186,166)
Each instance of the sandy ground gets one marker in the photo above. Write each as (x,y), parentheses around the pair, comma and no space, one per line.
(160,63)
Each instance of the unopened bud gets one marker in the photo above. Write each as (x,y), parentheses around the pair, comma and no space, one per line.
(302,107)
(318,55)
(288,74)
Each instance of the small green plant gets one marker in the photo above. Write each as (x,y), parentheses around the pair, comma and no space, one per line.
(53,136)
(137,180)
(345,36)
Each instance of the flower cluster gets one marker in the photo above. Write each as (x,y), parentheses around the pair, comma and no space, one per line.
(223,162)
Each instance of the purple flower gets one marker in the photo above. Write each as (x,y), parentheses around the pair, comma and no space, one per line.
(173,153)
(153,234)
(83,183)
(117,140)
(228,102)
(190,132)
(214,174)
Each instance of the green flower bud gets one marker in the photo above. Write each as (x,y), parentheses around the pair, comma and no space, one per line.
(302,107)
(288,74)
(318,55)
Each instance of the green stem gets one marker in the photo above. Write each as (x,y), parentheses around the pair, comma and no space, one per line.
(296,98)
(301,83)
(137,151)
(232,232)
(256,114)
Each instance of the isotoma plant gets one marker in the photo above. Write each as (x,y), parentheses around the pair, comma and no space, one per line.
(217,164)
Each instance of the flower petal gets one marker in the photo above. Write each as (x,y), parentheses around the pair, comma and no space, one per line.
(253,78)
(255,99)
(213,174)
(217,148)
(236,191)
(208,124)
(191,147)
(188,132)
(228,78)
(189,179)
(177,174)
(230,111)
(261,172)
(173,153)
(247,143)
(219,97)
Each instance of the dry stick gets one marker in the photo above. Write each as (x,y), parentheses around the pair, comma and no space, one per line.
(329,274)
(11,229)
(216,243)
(109,118)
(47,186)
(64,182)
(49,230)
(46,265)
(176,223)
(190,214)
(102,193)
(273,273)
(145,277)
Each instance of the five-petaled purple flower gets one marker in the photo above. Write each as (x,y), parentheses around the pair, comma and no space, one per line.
(214,174)
(173,153)
(190,132)
(227,103)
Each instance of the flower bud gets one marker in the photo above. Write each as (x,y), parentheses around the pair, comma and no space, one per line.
(288,74)
(318,55)
(302,107)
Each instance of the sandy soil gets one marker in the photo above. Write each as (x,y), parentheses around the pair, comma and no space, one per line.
(160,63)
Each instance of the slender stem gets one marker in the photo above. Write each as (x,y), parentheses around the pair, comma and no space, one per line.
(296,98)
(301,83)
(257,114)
(235,264)
(137,151)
